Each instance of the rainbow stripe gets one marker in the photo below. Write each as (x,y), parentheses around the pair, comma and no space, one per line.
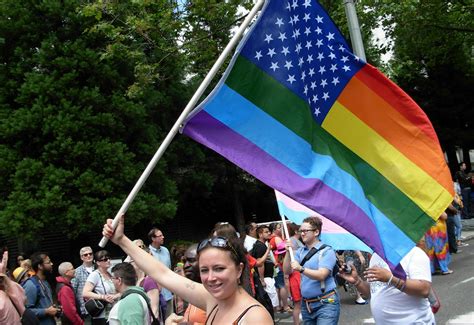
(331,234)
(348,143)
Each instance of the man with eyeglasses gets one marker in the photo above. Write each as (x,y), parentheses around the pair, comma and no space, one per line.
(66,297)
(78,282)
(38,291)
(162,254)
(132,308)
(320,303)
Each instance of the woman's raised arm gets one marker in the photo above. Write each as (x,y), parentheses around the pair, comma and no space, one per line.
(191,291)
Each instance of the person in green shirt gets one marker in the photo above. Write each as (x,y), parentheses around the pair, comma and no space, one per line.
(132,308)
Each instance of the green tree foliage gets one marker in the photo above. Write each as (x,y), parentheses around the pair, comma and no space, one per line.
(87,92)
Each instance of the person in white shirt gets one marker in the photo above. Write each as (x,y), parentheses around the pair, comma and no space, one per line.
(250,235)
(394,300)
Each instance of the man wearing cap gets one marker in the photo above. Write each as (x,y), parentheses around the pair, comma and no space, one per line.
(66,297)
(81,274)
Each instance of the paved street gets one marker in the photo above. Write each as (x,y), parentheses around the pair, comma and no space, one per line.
(455,291)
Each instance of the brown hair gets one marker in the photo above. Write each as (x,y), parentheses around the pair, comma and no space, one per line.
(224,230)
(292,229)
(237,254)
(315,222)
(151,233)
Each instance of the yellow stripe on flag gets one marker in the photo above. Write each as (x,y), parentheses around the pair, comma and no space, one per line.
(419,186)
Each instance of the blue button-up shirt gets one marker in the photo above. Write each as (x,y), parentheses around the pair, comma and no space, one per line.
(162,254)
(311,288)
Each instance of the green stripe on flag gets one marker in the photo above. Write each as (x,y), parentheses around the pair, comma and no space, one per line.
(293,112)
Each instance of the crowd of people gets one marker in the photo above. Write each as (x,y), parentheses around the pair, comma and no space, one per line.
(229,278)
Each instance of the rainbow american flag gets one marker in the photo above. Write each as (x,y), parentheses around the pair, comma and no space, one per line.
(299,111)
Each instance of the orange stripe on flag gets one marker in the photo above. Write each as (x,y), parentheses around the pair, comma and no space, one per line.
(379,115)
(397,98)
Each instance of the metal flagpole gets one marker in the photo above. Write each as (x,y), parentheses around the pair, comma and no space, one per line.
(354,29)
(174,130)
(287,235)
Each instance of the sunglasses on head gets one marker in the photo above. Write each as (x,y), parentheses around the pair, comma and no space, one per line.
(218,242)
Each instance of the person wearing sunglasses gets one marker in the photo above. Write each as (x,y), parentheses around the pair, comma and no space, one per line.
(99,285)
(221,265)
(82,273)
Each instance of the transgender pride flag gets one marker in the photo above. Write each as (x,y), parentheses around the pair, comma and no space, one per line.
(331,234)
(301,113)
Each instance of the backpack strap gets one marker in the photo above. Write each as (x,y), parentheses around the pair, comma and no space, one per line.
(130,291)
(311,252)
(323,283)
(35,281)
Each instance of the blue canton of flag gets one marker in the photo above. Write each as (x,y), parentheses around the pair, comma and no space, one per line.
(302,48)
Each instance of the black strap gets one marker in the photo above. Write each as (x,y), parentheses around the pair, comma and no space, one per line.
(311,252)
(144,296)
(103,286)
(244,312)
(210,313)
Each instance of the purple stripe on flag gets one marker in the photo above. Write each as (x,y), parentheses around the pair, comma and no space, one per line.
(258,163)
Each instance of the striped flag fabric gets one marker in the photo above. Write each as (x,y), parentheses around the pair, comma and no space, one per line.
(331,234)
(299,111)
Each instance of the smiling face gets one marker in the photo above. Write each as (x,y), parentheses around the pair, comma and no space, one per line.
(87,256)
(308,233)
(219,273)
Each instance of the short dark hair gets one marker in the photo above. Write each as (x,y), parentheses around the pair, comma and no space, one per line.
(37,259)
(151,233)
(249,227)
(315,222)
(101,254)
(126,272)
(261,228)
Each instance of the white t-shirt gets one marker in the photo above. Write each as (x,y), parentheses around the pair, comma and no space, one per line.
(102,286)
(391,306)
(249,241)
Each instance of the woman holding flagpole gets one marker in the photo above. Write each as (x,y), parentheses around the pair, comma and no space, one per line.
(221,265)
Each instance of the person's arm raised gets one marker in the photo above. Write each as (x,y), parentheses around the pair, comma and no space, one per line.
(190,291)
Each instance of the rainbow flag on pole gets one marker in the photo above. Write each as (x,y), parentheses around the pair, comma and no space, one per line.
(299,111)
(331,234)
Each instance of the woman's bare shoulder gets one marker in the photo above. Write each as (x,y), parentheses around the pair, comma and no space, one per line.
(257,315)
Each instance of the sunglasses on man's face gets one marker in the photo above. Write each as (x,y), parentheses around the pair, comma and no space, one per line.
(87,254)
